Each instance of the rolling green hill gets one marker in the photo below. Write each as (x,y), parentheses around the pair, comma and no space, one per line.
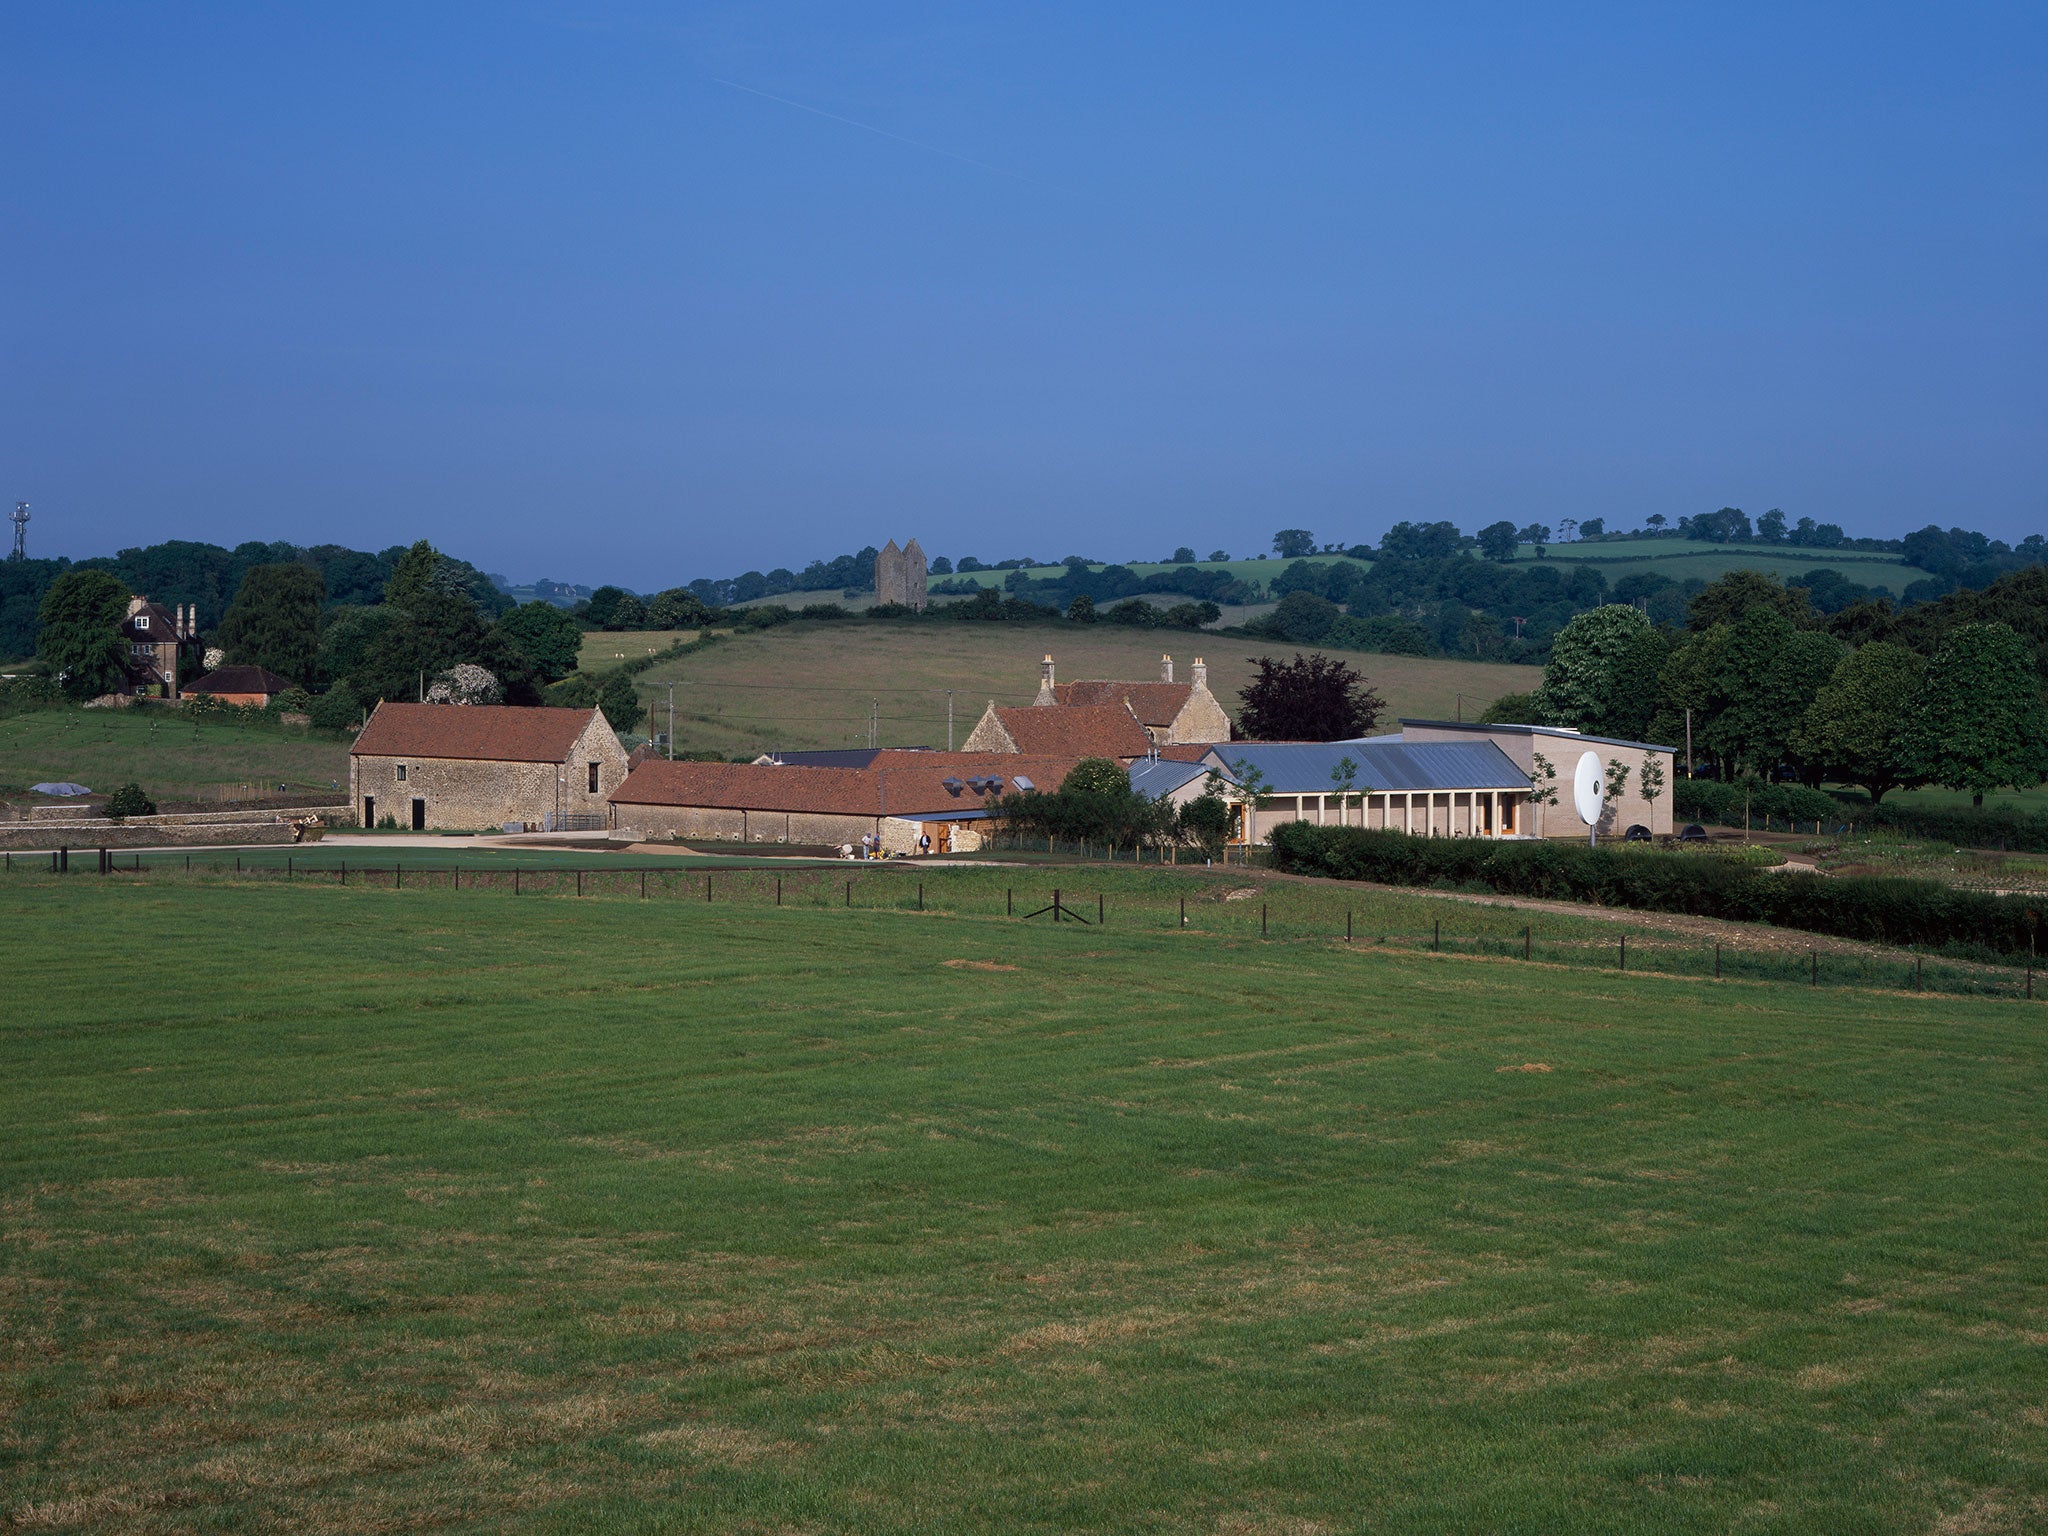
(812,684)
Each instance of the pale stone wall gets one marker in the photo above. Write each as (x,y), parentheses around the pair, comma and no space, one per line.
(715,824)
(988,734)
(1202,718)
(464,793)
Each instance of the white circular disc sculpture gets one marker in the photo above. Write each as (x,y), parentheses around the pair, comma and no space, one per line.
(1586,794)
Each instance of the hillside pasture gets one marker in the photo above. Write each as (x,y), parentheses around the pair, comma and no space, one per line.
(679,1218)
(811,683)
(604,649)
(171,754)
(1684,559)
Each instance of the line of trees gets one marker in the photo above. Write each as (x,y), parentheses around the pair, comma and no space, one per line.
(1951,694)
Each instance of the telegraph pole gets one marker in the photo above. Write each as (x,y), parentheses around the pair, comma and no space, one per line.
(874,713)
(949,719)
(671,722)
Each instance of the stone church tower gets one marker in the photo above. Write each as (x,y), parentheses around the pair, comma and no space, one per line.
(900,575)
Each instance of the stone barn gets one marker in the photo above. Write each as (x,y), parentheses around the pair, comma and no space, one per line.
(900,797)
(434,767)
(1079,730)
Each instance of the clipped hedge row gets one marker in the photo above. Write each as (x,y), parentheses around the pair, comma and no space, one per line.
(1879,909)
(1720,804)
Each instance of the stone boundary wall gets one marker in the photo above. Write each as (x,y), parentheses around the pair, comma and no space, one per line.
(22,838)
(85,825)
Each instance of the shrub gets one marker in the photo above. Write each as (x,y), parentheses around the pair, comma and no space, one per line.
(129,800)
(1713,800)
(1877,909)
(337,709)
(30,691)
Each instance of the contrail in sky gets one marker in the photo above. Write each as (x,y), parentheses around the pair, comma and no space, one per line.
(933,149)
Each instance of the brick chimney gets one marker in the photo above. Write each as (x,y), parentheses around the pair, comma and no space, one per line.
(1045,693)
(1201,674)
(1166,669)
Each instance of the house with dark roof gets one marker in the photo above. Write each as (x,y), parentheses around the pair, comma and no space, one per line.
(899,798)
(240,685)
(460,766)
(154,646)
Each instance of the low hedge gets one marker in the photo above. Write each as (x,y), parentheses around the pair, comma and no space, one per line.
(1875,908)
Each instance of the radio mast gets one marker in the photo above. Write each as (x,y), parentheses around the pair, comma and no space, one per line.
(20,531)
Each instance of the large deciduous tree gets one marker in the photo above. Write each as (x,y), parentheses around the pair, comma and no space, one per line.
(1311,698)
(1497,541)
(1727,599)
(80,639)
(1977,722)
(274,621)
(549,637)
(1853,726)
(1293,543)
(1603,671)
(1748,684)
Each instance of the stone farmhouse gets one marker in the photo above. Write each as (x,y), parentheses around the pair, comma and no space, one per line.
(900,797)
(240,685)
(155,641)
(457,766)
(900,575)
(1440,779)
(1173,714)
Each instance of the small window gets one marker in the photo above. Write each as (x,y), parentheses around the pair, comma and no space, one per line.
(593,778)
(401,773)
(142,621)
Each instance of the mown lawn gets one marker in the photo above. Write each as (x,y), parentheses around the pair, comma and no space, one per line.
(380,1210)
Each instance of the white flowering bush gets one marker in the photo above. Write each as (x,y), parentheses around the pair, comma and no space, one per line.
(465,684)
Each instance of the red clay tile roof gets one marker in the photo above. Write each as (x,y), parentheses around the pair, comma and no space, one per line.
(1054,730)
(1152,703)
(909,790)
(238,680)
(484,732)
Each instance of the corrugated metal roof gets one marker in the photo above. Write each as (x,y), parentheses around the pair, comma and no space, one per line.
(1304,767)
(1541,730)
(1153,777)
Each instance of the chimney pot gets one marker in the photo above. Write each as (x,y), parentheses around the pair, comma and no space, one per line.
(1166,669)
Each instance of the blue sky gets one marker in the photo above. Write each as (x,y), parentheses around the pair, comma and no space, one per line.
(561,289)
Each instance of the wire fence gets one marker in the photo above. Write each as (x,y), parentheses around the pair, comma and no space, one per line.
(1236,916)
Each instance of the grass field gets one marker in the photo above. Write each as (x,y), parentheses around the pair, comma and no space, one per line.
(1683,559)
(602,1216)
(165,751)
(811,684)
(604,649)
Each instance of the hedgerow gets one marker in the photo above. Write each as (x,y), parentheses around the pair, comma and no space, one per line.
(1875,908)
